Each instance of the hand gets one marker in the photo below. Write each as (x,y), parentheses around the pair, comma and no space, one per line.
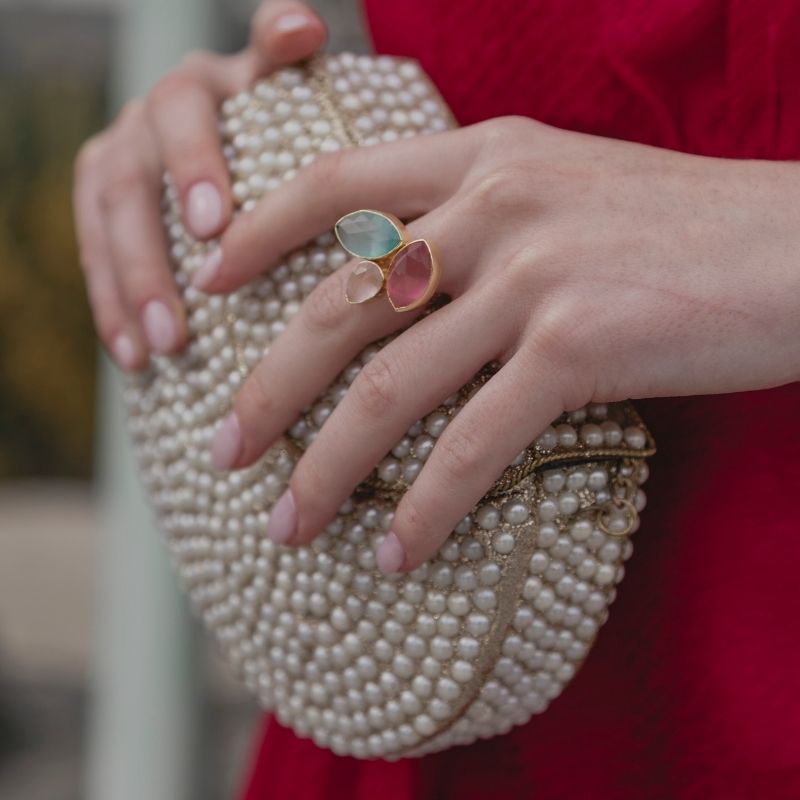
(118,182)
(591,269)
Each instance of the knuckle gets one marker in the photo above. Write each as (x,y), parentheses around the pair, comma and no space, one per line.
(414,518)
(309,485)
(325,307)
(563,351)
(256,401)
(107,328)
(521,260)
(496,135)
(127,178)
(170,86)
(198,156)
(327,169)
(89,257)
(131,113)
(89,156)
(375,389)
(140,285)
(502,190)
(457,455)
(196,61)
(557,339)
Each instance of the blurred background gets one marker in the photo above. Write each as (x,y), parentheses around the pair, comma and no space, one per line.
(107,689)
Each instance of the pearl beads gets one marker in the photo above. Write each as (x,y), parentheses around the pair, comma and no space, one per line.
(476,640)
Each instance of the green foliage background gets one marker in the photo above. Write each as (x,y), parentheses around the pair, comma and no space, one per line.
(47,343)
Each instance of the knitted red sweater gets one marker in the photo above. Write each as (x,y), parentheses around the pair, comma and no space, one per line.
(693,688)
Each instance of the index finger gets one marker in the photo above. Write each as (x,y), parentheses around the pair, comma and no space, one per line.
(406,178)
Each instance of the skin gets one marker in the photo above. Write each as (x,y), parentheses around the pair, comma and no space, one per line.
(591,269)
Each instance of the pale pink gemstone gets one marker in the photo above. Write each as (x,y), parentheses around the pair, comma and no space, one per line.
(364,283)
(410,274)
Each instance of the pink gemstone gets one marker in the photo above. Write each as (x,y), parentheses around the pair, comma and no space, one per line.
(409,275)
(364,283)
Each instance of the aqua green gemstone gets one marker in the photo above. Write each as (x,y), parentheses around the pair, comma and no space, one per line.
(368,234)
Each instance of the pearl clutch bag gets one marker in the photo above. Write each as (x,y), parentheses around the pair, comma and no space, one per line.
(476,640)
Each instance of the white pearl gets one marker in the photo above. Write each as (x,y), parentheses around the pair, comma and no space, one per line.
(568,503)
(484,599)
(436,423)
(478,624)
(488,517)
(553,480)
(469,648)
(591,435)
(465,579)
(489,574)
(547,510)
(447,689)
(503,542)
(548,439)
(635,437)
(441,648)
(515,512)
(448,625)
(567,437)
(458,604)
(612,432)
(462,671)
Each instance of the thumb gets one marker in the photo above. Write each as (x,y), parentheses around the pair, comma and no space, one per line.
(281,33)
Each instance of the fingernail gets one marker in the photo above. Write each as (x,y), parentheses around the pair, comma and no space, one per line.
(227,443)
(288,23)
(159,326)
(390,554)
(207,271)
(204,209)
(283,519)
(124,351)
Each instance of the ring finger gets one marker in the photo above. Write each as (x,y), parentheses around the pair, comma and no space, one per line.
(407,379)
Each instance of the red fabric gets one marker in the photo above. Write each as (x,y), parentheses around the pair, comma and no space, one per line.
(692,689)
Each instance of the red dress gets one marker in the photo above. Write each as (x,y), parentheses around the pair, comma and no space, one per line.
(693,687)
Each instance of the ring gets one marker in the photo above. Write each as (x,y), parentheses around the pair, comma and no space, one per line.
(406,269)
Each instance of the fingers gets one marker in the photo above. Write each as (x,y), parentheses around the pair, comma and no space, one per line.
(406,178)
(399,385)
(330,333)
(282,33)
(183,108)
(183,113)
(118,185)
(131,216)
(119,334)
(488,433)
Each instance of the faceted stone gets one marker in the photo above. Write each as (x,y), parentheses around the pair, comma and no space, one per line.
(364,283)
(368,234)
(410,274)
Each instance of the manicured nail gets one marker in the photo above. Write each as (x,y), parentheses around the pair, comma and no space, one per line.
(283,519)
(390,555)
(159,326)
(124,351)
(227,443)
(288,23)
(204,209)
(208,270)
